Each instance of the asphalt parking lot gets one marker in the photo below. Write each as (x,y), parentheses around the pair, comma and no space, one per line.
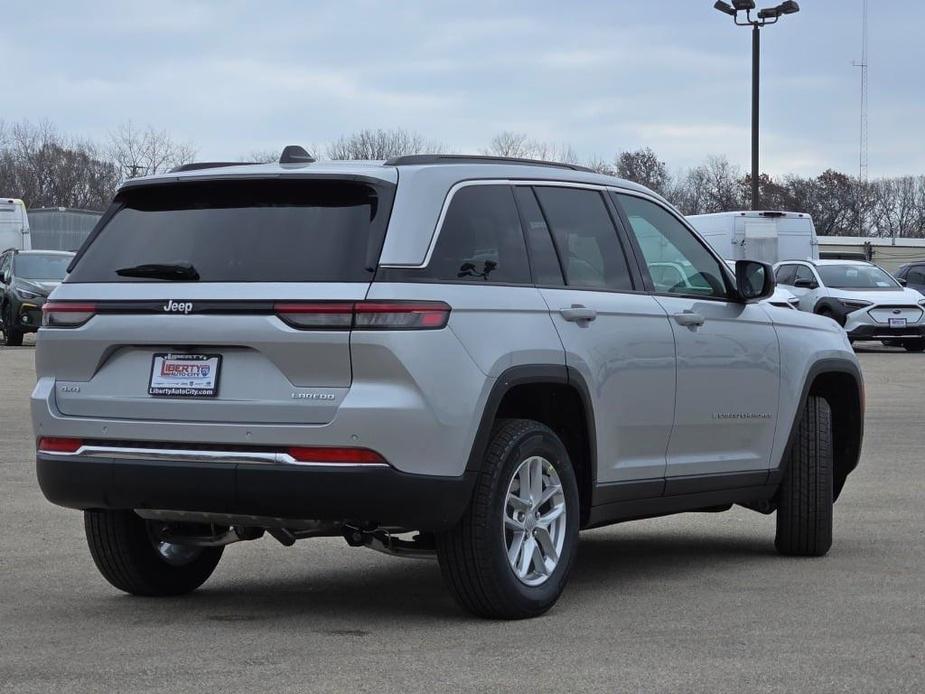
(698,602)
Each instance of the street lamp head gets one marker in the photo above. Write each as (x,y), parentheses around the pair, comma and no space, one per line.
(724,7)
(788,7)
(769,13)
(743,5)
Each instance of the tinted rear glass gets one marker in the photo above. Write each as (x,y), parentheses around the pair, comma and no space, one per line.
(242,231)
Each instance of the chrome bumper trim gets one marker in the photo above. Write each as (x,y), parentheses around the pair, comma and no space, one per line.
(179,455)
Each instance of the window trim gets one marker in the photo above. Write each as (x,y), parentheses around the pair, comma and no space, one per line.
(731,293)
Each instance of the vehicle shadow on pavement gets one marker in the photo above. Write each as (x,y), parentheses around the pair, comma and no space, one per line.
(412,590)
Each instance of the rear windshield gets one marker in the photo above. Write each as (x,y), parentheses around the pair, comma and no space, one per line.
(242,231)
(41,267)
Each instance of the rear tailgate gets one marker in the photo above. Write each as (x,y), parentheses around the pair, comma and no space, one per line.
(256,246)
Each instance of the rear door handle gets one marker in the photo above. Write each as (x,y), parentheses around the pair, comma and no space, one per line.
(577,312)
(689,319)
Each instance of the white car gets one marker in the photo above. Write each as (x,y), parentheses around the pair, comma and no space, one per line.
(667,275)
(862,297)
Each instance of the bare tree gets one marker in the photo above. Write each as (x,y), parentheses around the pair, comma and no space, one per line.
(144,152)
(48,170)
(381,144)
(521,146)
(644,167)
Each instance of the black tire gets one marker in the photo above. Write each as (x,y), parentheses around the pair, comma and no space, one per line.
(473,556)
(804,508)
(123,551)
(914,345)
(11,336)
(827,312)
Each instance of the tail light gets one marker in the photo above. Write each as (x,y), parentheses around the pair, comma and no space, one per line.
(335,456)
(66,314)
(54,444)
(364,315)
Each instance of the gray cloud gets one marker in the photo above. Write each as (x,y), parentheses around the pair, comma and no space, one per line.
(234,77)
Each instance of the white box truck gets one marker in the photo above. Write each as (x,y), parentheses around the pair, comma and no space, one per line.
(14,225)
(767,236)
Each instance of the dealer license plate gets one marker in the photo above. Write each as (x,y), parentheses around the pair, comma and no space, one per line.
(184,375)
(897,322)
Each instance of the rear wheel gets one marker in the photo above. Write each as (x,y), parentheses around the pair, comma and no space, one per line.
(914,345)
(804,509)
(11,336)
(510,555)
(132,558)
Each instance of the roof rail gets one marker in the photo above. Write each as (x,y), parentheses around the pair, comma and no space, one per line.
(295,154)
(421,159)
(197,165)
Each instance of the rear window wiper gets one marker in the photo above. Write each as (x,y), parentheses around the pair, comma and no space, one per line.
(161,271)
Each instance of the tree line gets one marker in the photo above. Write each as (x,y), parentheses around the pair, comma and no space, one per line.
(48,169)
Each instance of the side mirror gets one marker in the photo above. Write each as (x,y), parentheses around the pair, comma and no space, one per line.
(901,281)
(754,280)
(806,284)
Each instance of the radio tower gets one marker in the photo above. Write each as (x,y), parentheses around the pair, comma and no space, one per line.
(863,137)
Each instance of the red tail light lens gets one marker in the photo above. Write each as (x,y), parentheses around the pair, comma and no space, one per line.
(321,315)
(335,456)
(401,315)
(52,444)
(66,314)
(364,315)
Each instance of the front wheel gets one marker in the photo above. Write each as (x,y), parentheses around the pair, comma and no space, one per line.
(804,508)
(11,336)
(510,555)
(132,558)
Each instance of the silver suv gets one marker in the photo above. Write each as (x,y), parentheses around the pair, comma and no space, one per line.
(455,356)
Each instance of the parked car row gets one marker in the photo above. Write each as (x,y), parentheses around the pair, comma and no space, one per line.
(26,279)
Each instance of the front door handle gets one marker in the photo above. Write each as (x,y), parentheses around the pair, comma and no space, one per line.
(689,319)
(577,312)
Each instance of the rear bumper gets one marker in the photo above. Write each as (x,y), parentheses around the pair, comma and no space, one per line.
(882,332)
(380,495)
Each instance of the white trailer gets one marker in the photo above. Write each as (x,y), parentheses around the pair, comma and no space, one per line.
(14,225)
(767,236)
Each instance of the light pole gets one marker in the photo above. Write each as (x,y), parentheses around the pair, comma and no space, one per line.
(769,15)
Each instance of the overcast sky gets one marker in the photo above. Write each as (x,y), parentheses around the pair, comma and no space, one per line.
(232,77)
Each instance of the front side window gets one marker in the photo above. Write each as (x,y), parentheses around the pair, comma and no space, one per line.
(481,239)
(678,262)
(786,274)
(585,238)
(805,274)
(916,275)
(856,277)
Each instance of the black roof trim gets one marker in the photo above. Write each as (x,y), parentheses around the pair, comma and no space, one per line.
(197,165)
(422,159)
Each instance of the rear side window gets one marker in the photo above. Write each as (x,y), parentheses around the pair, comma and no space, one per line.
(242,231)
(585,238)
(543,260)
(480,240)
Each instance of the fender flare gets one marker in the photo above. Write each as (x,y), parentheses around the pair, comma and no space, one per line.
(853,447)
(557,374)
